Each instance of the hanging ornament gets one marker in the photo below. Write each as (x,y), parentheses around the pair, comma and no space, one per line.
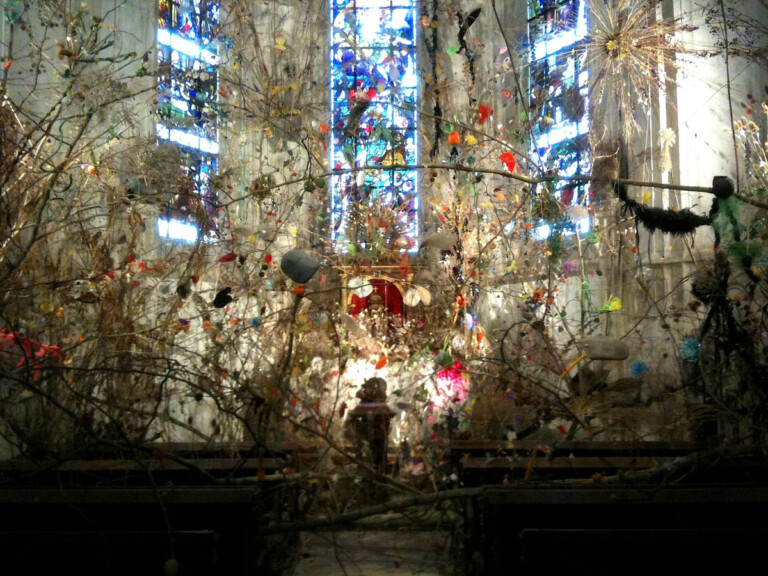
(667,139)
(424,294)
(88,298)
(509,161)
(319,317)
(604,348)
(360,287)
(412,297)
(484,111)
(13,11)
(299,266)
(222,297)
(183,290)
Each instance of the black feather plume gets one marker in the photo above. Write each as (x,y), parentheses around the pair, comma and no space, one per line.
(671,221)
(183,290)
(222,298)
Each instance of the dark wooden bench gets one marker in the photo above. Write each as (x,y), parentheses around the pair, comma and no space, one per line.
(493,461)
(176,462)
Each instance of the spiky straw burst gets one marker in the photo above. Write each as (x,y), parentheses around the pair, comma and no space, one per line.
(630,54)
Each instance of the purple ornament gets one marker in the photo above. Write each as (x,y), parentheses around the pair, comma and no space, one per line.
(570,266)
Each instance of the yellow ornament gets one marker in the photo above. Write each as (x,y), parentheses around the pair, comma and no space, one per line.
(611,305)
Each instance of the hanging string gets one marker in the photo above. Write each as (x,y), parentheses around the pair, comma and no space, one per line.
(728,87)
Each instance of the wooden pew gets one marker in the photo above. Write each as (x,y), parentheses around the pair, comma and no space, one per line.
(494,461)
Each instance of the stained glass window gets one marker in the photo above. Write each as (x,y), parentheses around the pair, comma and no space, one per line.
(373,109)
(559,95)
(187,102)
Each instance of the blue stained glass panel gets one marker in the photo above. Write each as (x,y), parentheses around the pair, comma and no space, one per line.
(559,94)
(374,90)
(187,110)
(193,19)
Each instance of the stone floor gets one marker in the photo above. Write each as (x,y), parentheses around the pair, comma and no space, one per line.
(375,553)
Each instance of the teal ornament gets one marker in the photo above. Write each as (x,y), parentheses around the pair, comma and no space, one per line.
(256,322)
(690,350)
(728,217)
(638,369)
(13,10)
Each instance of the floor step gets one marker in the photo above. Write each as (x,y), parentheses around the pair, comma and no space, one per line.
(375,553)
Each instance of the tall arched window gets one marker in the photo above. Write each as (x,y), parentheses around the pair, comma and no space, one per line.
(187,101)
(559,95)
(373,97)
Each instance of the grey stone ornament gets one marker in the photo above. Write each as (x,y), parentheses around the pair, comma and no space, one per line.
(299,266)
(318,317)
(605,348)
